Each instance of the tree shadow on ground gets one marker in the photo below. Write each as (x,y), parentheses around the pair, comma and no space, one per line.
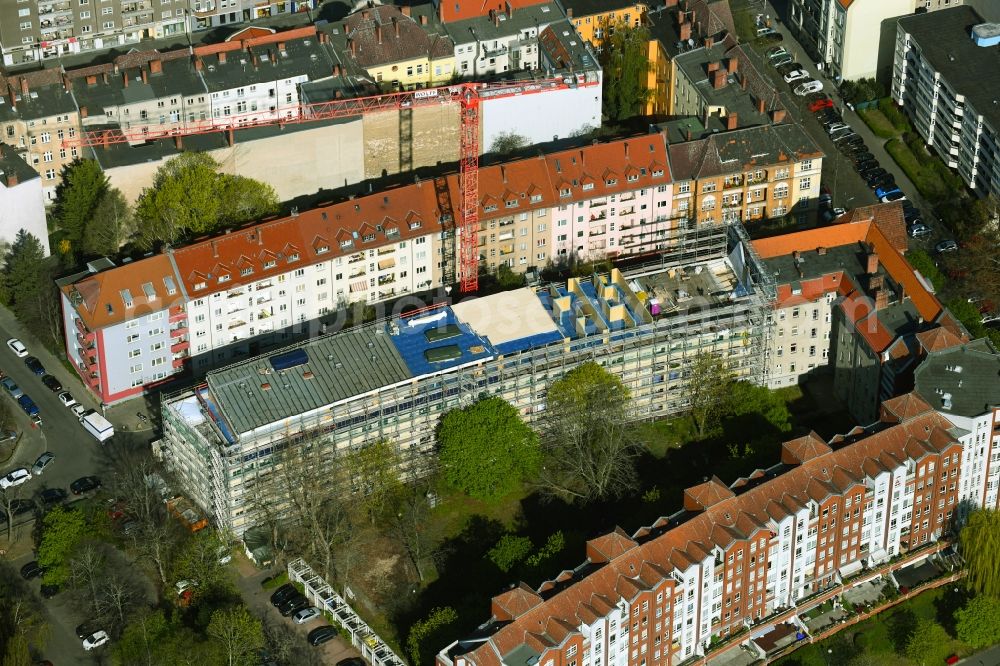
(953,599)
(901,624)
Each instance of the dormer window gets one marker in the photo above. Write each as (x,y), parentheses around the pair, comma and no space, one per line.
(127,298)
(536,198)
(657,173)
(564,192)
(611,182)
(633,177)
(270,263)
(392,232)
(149,291)
(168,282)
(322,249)
(248,270)
(199,285)
(588,186)
(489,208)
(294,256)
(368,238)
(224,277)
(415,224)
(512,203)
(345,244)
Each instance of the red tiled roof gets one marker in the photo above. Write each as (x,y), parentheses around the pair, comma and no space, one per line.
(904,407)
(737,516)
(937,339)
(372,34)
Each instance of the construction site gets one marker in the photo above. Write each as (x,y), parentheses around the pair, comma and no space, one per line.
(392,379)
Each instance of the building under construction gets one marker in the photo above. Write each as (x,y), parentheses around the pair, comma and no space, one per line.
(392,379)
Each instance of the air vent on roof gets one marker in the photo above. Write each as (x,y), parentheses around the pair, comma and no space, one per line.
(266,386)
(545,10)
(313,56)
(953,368)
(211,68)
(946,401)
(307,42)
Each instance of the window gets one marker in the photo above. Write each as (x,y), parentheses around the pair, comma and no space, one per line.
(50,174)
(805,183)
(109,25)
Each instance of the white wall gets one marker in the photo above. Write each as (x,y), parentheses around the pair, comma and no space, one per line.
(23,207)
(555,114)
(861,38)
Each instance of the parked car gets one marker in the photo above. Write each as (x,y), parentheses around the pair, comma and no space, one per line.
(52,383)
(886,182)
(12,389)
(831,214)
(321,635)
(31,570)
(293,604)
(95,640)
(86,629)
(84,485)
(782,60)
(15,478)
(777,52)
(27,404)
(352,661)
(919,230)
(52,496)
(910,213)
(866,165)
(67,399)
(282,593)
(35,365)
(771,35)
(845,136)
(892,196)
(946,246)
(795,75)
(848,143)
(306,614)
(43,461)
(820,104)
(807,87)
(78,410)
(860,157)
(17,347)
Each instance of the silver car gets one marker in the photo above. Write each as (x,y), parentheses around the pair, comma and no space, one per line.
(43,461)
(305,615)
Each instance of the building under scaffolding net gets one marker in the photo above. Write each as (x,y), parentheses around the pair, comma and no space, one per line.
(391,380)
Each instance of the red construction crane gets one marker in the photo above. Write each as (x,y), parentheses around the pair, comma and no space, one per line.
(467,95)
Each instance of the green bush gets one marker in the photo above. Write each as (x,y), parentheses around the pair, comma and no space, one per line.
(893,114)
(877,123)
(553,546)
(922,261)
(509,551)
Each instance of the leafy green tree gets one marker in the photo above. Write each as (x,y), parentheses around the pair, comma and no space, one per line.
(375,478)
(590,451)
(508,279)
(77,196)
(22,264)
(62,530)
(428,635)
(486,450)
(238,633)
(625,60)
(190,196)
(553,546)
(709,381)
(143,640)
(744,398)
(110,225)
(928,644)
(506,143)
(509,551)
(922,261)
(980,543)
(198,559)
(978,623)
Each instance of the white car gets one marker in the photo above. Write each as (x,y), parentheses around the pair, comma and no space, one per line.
(305,615)
(67,399)
(78,410)
(95,640)
(185,585)
(15,478)
(837,127)
(17,347)
(796,75)
(807,87)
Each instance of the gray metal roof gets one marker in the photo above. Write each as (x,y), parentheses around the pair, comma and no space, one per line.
(968,376)
(343,365)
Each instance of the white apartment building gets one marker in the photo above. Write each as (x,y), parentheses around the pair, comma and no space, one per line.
(22,201)
(959,381)
(845,34)
(502,41)
(946,81)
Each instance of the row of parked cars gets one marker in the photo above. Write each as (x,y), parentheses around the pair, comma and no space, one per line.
(290,602)
(793,73)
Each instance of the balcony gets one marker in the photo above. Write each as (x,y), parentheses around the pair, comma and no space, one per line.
(55,9)
(263,285)
(90,353)
(355,258)
(204,9)
(178,331)
(92,368)
(598,231)
(178,363)
(235,294)
(506,236)
(94,382)
(135,7)
(239,323)
(137,20)
(595,218)
(84,342)
(176,316)
(179,347)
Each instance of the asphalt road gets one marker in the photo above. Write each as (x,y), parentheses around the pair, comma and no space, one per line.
(77,454)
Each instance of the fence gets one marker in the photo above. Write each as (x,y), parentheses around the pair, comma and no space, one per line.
(363,637)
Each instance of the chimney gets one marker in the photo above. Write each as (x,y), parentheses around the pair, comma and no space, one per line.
(322,37)
(281,46)
(709,42)
(503,174)
(875,283)
(732,121)
(871,265)
(365,14)
(881,299)
(680,17)
(215,250)
(24,87)
(125,79)
(733,65)
(145,76)
(760,106)
(743,81)
(395,24)
(83,112)
(116,66)
(626,149)
(569,12)
(821,251)
(496,19)
(255,60)
(712,66)
(11,179)
(91,79)
(106,78)
(199,64)
(378,33)
(260,236)
(405,10)
(222,57)
(156,66)
(719,79)
(67,82)
(685,32)
(689,134)
(705,117)
(351,44)
(423,19)
(777,116)
(336,69)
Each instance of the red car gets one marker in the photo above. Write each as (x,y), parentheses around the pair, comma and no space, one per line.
(820,104)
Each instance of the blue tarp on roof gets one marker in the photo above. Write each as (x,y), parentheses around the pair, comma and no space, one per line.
(411,342)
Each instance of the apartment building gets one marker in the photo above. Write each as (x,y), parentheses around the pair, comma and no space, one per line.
(959,381)
(132,326)
(945,79)
(47,29)
(449,11)
(37,112)
(392,379)
(499,42)
(593,18)
(746,175)
(205,14)
(733,556)
(22,201)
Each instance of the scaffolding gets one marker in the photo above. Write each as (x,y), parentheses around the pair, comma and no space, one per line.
(652,359)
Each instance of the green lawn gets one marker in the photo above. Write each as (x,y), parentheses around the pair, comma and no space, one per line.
(878,123)
(924,176)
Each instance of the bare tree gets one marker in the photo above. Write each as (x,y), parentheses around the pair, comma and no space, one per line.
(121,593)
(88,570)
(589,449)
(413,528)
